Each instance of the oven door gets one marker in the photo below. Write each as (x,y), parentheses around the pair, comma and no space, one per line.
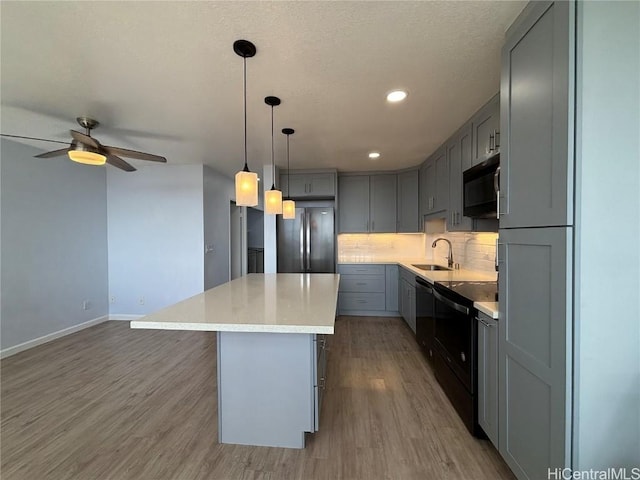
(455,336)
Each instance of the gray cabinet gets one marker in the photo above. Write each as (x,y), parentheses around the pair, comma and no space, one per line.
(488,376)
(391,290)
(382,203)
(367,290)
(367,203)
(537,108)
(459,153)
(353,209)
(407,297)
(408,202)
(486,131)
(308,185)
(434,183)
(535,349)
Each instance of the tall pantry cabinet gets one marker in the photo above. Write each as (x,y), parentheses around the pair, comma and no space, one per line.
(570,71)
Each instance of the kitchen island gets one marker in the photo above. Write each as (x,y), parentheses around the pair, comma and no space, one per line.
(271,351)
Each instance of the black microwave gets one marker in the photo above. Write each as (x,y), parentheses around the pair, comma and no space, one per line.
(480,189)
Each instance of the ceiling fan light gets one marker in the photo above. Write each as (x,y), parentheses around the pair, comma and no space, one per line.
(289,210)
(86,157)
(273,202)
(246,189)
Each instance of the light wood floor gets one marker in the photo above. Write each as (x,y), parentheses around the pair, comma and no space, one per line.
(114,403)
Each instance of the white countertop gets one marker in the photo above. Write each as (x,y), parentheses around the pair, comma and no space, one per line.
(271,302)
(489,308)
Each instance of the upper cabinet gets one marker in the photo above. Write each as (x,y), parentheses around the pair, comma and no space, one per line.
(353,198)
(382,203)
(408,219)
(308,184)
(486,131)
(434,183)
(459,156)
(536,187)
(367,204)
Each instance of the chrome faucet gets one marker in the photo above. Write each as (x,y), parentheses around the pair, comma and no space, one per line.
(450,257)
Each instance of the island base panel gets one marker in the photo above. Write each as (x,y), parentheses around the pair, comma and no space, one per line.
(266,385)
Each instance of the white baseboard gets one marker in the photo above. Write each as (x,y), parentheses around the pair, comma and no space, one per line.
(51,336)
(125,317)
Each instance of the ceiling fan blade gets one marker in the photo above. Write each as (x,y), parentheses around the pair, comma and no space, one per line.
(54,153)
(86,139)
(133,154)
(32,138)
(120,163)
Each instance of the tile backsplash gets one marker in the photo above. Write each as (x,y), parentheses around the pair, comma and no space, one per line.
(472,250)
(378,246)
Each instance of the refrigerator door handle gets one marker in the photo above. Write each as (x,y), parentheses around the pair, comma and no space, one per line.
(308,254)
(302,243)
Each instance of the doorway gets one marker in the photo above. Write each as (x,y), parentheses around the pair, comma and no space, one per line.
(235,241)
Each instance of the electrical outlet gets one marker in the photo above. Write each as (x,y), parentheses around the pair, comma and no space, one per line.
(86,305)
(141,300)
(112,299)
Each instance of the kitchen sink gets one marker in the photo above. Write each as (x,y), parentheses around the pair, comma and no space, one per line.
(429,266)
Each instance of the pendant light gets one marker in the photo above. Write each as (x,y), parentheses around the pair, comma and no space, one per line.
(273,197)
(288,205)
(246,181)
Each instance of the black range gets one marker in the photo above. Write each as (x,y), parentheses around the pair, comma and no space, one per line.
(446,310)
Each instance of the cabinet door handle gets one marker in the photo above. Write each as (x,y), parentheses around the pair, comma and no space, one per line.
(323,383)
(457,218)
(496,139)
(491,142)
(310,188)
(486,324)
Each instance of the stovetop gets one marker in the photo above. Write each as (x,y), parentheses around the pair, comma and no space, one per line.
(469,292)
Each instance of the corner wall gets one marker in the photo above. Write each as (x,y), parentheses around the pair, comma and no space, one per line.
(54,246)
(156,237)
(607,277)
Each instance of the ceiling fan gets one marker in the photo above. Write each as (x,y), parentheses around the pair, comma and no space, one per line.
(86,149)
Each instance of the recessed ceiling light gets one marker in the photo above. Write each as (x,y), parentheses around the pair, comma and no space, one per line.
(374,155)
(396,96)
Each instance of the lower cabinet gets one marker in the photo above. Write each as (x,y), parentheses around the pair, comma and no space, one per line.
(368,290)
(488,376)
(407,298)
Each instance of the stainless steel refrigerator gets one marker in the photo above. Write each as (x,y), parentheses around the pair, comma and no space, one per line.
(306,243)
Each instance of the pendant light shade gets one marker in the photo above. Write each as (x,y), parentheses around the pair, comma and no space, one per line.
(288,209)
(288,206)
(273,197)
(246,181)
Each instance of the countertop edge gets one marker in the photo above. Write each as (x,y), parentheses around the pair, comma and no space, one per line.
(486,309)
(241,328)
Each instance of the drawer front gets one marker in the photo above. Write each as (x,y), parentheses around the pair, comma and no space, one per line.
(362,283)
(361,269)
(408,276)
(360,301)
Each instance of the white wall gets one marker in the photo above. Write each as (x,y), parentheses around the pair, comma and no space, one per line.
(54,244)
(218,193)
(607,296)
(156,236)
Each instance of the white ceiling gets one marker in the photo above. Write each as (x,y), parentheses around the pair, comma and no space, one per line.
(162,76)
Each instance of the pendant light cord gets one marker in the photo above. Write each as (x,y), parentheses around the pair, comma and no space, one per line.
(288,167)
(273,165)
(244,88)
